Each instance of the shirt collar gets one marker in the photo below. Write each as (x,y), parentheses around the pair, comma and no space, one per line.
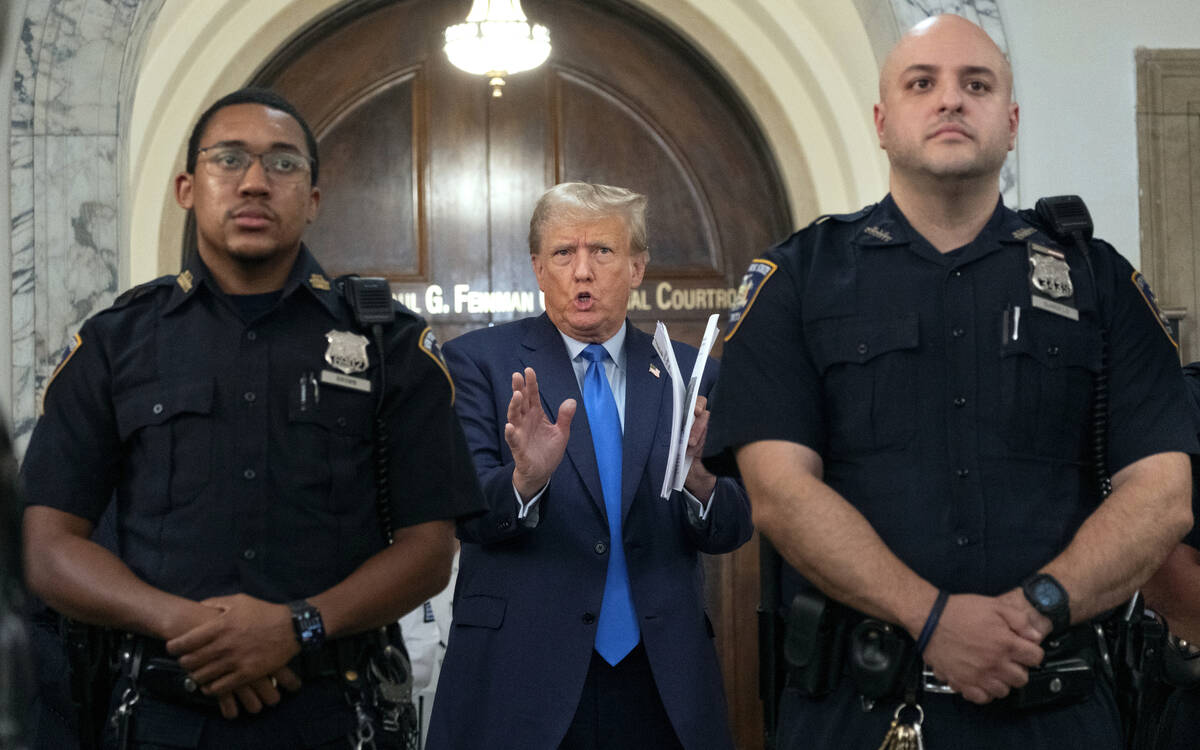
(615,346)
(305,274)
(887,226)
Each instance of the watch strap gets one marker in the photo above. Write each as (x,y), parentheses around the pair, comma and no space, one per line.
(307,624)
(1060,615)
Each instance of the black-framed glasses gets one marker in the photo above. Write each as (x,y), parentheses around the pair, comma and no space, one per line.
(231,162)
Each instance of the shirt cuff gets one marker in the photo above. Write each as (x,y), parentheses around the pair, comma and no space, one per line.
(529,513)
(697,511)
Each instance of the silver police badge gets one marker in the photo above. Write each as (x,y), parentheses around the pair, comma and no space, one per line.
(347,351)
(1049,272)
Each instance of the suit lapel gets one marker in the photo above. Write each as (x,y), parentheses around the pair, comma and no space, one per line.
(644,407)
(547,355)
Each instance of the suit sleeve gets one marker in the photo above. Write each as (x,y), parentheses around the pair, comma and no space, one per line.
(728,525)
(477,403)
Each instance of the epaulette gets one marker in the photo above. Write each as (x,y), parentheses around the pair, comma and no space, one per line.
(846,218)
(132,293)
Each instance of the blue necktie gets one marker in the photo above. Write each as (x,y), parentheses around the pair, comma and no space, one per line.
(617,631)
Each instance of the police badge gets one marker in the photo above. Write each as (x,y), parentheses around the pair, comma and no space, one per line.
(1050,281)
(347,351)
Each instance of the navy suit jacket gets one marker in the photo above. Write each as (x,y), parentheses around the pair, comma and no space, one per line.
(527,599)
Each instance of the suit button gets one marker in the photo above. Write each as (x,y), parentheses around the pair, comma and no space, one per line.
(600,548)
(505,523)
(588,618)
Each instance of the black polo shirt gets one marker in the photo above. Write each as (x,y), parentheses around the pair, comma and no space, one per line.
(948,408)
(234,467)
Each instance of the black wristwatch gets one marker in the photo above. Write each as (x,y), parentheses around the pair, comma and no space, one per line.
(1050,598)
(306,620)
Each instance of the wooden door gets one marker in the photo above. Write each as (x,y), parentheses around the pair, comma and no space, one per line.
(430,181)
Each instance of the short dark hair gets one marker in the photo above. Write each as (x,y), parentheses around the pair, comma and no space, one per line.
(252,95)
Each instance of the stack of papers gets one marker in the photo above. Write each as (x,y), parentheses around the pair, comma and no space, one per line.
(684,395)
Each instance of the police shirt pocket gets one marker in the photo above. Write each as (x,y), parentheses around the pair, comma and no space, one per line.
(329,451)
(868,367)
(170,425)
(480,611)
(1046,387)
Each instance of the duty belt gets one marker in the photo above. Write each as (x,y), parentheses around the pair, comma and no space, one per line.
(162,678)
(1067,673)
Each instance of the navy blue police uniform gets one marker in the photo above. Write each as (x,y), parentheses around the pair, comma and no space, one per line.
(948,397)
(235,467)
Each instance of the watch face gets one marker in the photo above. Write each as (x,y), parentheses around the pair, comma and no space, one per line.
(1046,594)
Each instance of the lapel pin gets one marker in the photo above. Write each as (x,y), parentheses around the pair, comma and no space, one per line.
(654,371)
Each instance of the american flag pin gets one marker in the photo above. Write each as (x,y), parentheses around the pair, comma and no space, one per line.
(654,371)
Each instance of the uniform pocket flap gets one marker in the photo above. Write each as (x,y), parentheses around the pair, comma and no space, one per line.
(157,403)
(1060,344)
(859,340)
(480,611)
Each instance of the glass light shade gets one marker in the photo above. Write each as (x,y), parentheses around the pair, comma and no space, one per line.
(497,40)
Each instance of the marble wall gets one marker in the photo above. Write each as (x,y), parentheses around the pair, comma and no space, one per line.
(76,64)
(64,178)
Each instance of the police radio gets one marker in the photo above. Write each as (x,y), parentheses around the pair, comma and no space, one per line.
(1066,218)
(371,299)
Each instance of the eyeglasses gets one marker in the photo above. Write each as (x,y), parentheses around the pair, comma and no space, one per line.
(231,162)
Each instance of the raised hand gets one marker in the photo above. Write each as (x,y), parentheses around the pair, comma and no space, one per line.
(537,445)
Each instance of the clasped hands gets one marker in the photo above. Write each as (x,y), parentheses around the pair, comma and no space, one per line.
(984,646)
(237,649)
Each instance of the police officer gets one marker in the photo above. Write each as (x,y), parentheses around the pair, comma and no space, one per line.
(232,413)
(906,393)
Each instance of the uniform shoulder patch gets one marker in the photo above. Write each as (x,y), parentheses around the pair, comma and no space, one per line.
(429,345)
(1143,288)
(69,352)
(756,275)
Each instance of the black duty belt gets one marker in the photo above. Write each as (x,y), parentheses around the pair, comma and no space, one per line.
(162,678)
(826,642)
(1068,672)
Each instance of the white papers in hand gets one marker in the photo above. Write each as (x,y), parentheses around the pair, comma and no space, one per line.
(683,460)
(683,402)
(662,345)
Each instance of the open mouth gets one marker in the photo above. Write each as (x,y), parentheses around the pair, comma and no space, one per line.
(583,300)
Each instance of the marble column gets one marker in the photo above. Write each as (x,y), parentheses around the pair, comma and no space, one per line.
(65,177)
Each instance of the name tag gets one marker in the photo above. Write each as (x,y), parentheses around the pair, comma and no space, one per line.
(329,377)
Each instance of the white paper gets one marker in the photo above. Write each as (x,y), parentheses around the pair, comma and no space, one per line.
(683,461)
(683,402)
(662,345)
